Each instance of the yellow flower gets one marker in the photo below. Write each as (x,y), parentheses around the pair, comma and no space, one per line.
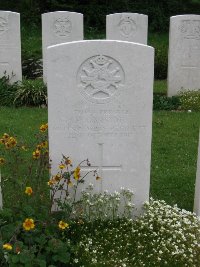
(38,147)
(44,144)
(28,224)
(77,173)
(57,177)
(68,161)
(62,225)
(2,141)
(2,161)
(50,182)
(7,246)
(43,127)
(62,166)
(12,141)
(29,190)
(5,136)
(9,141)
(36,154)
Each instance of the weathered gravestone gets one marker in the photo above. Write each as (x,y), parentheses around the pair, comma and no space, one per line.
(10,46)
(100,107)
(184,53)
(60,27)
(197,186)
(130,27)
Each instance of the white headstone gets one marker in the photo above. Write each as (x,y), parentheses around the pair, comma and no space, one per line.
(197,186)
(10,46)
(184,54)
(60,27)
(100,107)
(130,27)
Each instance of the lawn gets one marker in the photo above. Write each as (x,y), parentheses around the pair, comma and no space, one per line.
(174,149)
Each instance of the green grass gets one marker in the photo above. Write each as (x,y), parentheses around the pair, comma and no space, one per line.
(160,86)
(174,156)
(174,149)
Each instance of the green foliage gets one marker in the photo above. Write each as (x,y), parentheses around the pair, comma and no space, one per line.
(96,10)
(162,102)
(25,93)
(7,91)
(190,100)
(31,93)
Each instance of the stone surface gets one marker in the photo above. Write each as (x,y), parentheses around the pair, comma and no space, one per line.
(197,186)
(184,53)
(10,45)
(130,27)
(60,27)
(100,107)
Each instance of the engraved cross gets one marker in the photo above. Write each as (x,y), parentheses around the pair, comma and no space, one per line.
(101,167)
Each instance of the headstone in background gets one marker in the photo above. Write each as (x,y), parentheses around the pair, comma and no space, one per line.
(60,27)
(197,185)
(100,107)
(184,54)
(10,46)
(130,27)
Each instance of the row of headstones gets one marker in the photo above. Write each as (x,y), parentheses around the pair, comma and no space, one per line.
(63,26)
(100,107)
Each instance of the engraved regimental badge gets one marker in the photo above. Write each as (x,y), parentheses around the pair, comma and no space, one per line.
(62,27)
(127,26)
(100,78)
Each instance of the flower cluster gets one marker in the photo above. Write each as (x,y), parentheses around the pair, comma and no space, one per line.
(190,100)
(163,236)
(105,205)
(8,141)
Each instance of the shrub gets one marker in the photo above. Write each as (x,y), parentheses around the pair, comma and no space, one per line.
(162,102)
(31,93)
(32,68)
(190,100)
(7,91)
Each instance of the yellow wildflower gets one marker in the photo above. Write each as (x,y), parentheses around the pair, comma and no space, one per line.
(68,161)
(29,191)
(9,141)
(50,182)
(36,154)
(5,136)
(62,166)
(2,161)
(77,173)
(44,144)
(43,127)
(2,141)
(62,225)
(38,147)
(57,177)
(7,246)
(28,224)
